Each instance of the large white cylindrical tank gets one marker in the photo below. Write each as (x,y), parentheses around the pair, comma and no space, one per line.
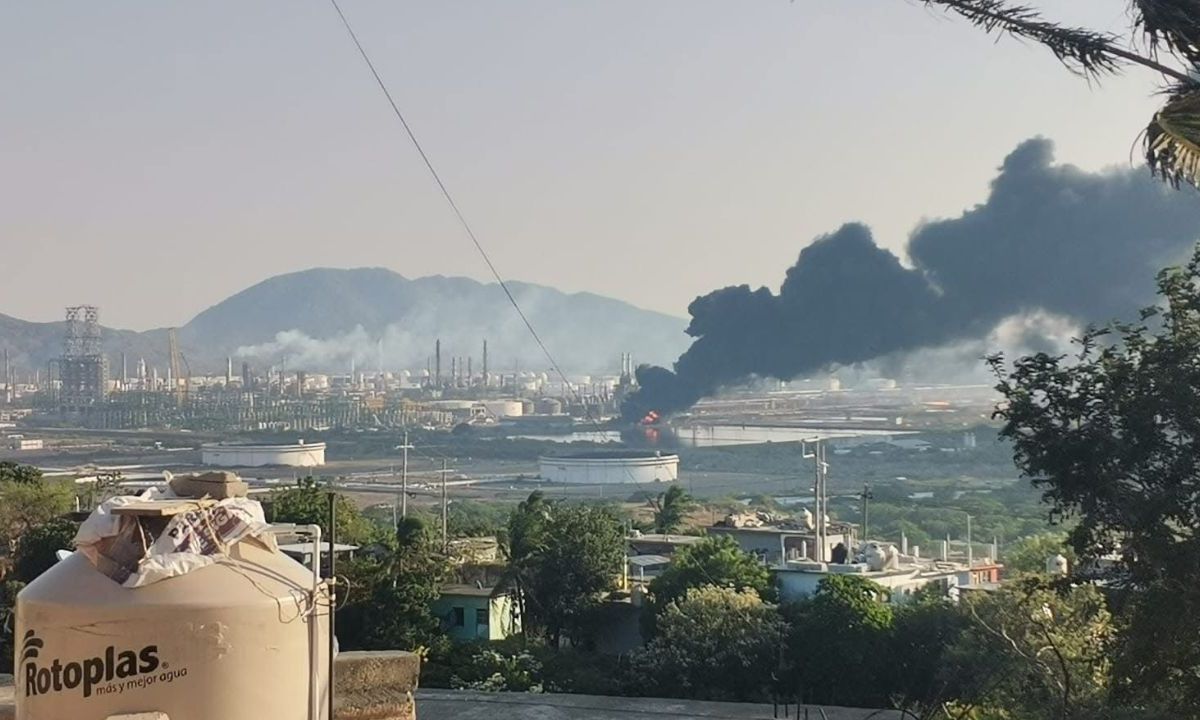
(504,408)
(300,454)
(234,641)
(605,468)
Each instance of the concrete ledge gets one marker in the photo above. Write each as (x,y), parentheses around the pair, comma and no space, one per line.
(375,685)
(8,707)
(370,686)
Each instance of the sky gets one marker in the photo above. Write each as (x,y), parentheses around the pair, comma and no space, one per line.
(158,157)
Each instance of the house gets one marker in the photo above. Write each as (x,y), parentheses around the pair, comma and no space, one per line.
(644,568)
(774,541)
(798,580)
(477,612)
(899,574)
(302,552)
(659,544)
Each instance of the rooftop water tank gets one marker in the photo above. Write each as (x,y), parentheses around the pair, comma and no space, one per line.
(236,640)
(1056,565)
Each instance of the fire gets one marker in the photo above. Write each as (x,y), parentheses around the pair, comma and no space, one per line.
(651,418)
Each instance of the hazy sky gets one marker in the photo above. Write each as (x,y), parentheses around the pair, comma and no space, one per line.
(156,157)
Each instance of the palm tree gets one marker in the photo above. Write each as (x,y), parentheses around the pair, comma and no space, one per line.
(670,508)
(522,543)
(1171,30)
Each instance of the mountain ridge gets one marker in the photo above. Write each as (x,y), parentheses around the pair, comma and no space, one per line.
(323,319)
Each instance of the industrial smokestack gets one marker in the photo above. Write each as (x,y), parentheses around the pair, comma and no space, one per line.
(1050,239)
(228,371)
(486,381)
(437,363)
(247,379)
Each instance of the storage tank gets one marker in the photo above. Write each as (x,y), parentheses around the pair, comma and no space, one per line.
(548,406)
(504,408)
(1056,565)
(236,640)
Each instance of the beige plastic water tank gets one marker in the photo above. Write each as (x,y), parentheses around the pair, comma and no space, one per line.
(231,641)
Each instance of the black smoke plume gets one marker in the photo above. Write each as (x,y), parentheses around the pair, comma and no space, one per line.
(1049,237)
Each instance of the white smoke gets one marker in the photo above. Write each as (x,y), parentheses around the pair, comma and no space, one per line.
(964,362)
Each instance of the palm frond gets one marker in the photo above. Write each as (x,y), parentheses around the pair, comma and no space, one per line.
(1173,140)
(1086,52)
(1174,24)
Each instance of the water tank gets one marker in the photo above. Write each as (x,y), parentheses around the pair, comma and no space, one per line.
(233,640)
(1056,565)
(881,557)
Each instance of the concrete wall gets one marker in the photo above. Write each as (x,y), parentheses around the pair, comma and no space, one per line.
(765,543)
(798,584)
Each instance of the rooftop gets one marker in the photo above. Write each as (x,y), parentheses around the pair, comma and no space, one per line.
(646,560)
(471,590)
(661,538)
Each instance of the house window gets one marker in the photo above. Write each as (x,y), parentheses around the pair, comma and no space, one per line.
(481,617)
(458,617)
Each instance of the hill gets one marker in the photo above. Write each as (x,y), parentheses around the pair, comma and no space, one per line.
(323,319)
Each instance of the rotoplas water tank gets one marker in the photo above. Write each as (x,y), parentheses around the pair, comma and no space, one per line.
(237,640)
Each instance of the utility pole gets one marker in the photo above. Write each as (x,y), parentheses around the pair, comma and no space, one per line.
(404,478)
(866,496)
(970,550)
(445,514)
(819,502)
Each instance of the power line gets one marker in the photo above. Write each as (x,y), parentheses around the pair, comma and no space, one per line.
(567,385)
(446,193)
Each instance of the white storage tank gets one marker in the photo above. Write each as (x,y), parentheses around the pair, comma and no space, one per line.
(299,454)
(609,467)
(504,408)
(231,641)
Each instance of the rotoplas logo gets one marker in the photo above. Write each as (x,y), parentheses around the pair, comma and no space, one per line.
(40,678)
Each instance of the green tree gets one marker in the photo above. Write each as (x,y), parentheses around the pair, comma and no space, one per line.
(8,628)
(571,556)
(670,509)
(28,503)
(923,633)
(1029,554)
(1031,650)
(1112,438)
(17,473)
(308,504)
(838,643)
(714,643)
(715,560)
(523,542)
(390,601)
(1169,30)
(38,548)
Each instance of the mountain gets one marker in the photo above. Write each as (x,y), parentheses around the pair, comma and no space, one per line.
(323,319)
